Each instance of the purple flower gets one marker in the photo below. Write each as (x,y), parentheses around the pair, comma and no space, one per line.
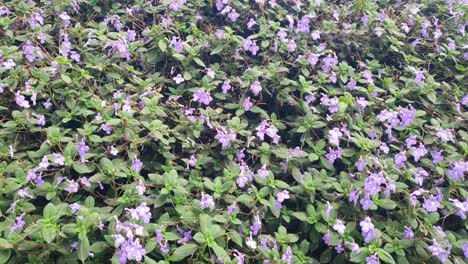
(177,44)
(333,154)
(72,186)
(178,79)
(59,159)
(263,172)
(280,197)
(352,85)
(251,23)
(226,86)
(206,201)
(326,239)
(439,251)
(44,163)
(458,170)
(256,225)
(74,207)
(115,20)
(140,187)
(107,128)
(233,15)
(287,256)
(400,159)
(462,207)
(202,96)
(131,35)
(367,229)
(362,103)
(303,24)
(339,226)
(65,18)
(408,233)
(334,136)
(432,203)
(419,152)
(328,210)
(354,196)
(247,104)
(137,165)
(419,77)
(141,212)
(18,224)
(224,137)
(464,247)
(249,44)
(256,88)
(366,202)
(373,259)
(131,250)
(291,46)
(21,101)
(265,128)
(445,135)
(118,45)
(360,164)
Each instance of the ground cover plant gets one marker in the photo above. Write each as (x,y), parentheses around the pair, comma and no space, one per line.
(233,131)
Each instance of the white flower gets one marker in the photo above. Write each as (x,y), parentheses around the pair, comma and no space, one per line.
(251,243)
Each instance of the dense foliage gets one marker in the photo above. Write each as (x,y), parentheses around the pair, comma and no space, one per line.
(233,131)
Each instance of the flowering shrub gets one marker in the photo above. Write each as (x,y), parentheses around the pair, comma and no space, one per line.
(227,131)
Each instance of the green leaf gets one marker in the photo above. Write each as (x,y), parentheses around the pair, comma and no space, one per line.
(49,233)
(386,204)
(162,45)
(199,62)
(4,244)
(183,251)
(4,255)
(82,168)
(219,251)
(66,79)
(83,250)
(50,211)
(385,256)
(217,50)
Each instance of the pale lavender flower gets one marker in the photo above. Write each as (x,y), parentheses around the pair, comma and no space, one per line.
(280,197)
(418,152)
(202,96)
(256,225)
(291,45)
(206,201)
(326,238)
(18,224)
(360,164)
(334,136)
(339,226)
(287,256)
(24,193)
(137,165)
(328,210)
(113,151)
(439,251)
(115,20)
(225,137)
(65,18)
(400,159)
(59,159)
(352,85)
(118,45)
(256,88)
(368,231)
(233,15)
(44,163)
(458,170)
(247,104)
(131,35)
(226,86)
(178,79)
(21,101)
(408,233)
(366,202)
(464,248)
(249,44)
(373,259)
(333,154)
(432,203)
(107,128)
(445,135)
(361,103)
(177,44)
(72,186)
(74,207)
(82,149)
(303,25)
(251,23)
(263,172)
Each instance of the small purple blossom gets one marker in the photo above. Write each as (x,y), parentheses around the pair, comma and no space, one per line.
(206,201)
(368,231)
(202,96)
